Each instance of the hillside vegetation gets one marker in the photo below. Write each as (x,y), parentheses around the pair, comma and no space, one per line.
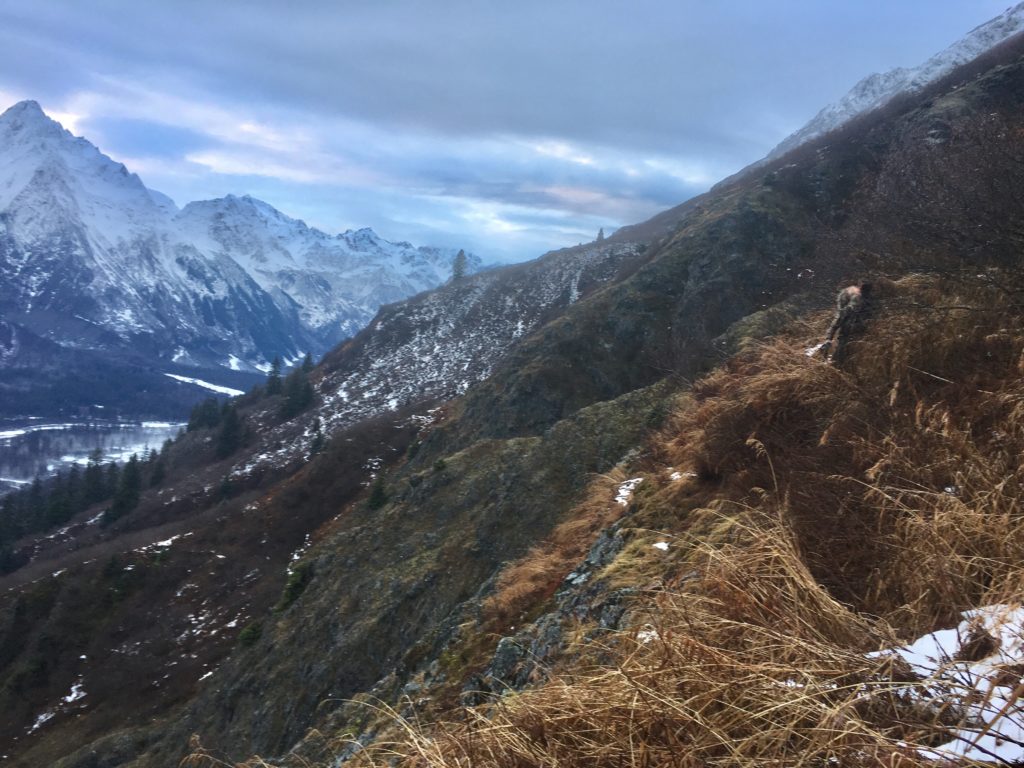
(805,516)
(645,529)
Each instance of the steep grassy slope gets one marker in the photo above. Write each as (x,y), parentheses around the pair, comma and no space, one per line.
(742,260)
(791,518)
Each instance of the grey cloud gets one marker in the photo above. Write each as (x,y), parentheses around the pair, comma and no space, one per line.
(427,109)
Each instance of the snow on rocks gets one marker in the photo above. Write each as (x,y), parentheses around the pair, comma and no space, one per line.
(973,670)
(812,351)
(625,490)
(76,694)
(163,544)
(675,475)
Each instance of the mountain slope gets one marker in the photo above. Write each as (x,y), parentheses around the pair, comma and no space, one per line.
(811,564)
(392,587)
(876,90)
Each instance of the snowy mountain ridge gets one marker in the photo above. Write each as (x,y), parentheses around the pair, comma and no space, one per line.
(877,89)
(90,257)
(436,346)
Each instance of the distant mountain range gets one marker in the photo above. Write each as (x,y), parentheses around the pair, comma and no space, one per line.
(95,262)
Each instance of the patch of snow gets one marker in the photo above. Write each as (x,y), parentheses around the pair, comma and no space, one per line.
(77,692)
(812,351)
(41,720)
(662,545)
(625,490)
(991,715)
(206,385)
(647,634)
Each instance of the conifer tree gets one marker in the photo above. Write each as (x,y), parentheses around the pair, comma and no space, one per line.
(459,266)
(600,235)
(298,393)
(58,505)
(229,439)
(93,483)
(9,528)
(317,444)
(111,480)
(205,415)
(307,363)
(274,377)
(126,498)
(378,496)
(157,472)
(36,507)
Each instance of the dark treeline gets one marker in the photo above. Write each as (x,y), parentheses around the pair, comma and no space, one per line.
(48,504)
(295,389)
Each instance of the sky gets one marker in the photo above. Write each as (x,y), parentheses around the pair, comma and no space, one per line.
(507,128)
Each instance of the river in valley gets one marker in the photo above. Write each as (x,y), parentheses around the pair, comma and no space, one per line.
(35,447)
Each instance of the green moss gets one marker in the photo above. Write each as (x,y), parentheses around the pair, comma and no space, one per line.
(298,579)
(252,632)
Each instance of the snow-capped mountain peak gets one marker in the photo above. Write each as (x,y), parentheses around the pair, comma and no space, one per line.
(48,175)
(229,282)
(877,89)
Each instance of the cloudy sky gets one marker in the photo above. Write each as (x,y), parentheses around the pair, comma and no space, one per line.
(509,128)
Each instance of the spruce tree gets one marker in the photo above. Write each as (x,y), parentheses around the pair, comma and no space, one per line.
(318,441)
(58,508)
(205,415)
(36,508)
(158,472)
(378,496)
(229,439)
(307,363)
(93,484)
(126,498)
(298,393)
(111,480)
(459,266)
(274,377)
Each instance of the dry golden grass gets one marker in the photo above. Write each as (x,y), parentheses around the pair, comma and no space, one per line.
(532,579)
(756,665)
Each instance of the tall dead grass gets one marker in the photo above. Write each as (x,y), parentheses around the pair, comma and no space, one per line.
(530,581)
(755,665)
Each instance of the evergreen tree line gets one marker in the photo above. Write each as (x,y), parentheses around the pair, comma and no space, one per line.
(46,505)
(224,417)
(295,388)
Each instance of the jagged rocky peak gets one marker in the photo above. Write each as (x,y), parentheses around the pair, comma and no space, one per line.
(877,89)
